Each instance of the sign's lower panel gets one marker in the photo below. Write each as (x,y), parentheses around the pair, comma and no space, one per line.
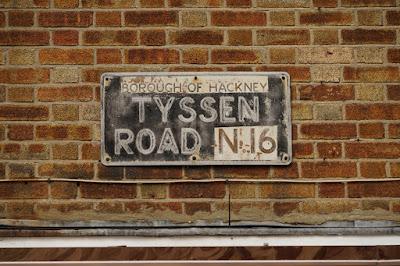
(196,119)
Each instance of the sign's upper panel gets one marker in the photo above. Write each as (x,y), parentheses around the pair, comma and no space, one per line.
(196,118)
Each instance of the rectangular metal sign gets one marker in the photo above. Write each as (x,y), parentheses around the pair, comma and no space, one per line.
(219,118)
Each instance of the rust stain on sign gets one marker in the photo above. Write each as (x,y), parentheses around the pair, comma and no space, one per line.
(195,118)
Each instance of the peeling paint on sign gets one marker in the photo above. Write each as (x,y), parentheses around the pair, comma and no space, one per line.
(195,118)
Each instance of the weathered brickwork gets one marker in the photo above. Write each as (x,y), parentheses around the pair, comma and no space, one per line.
(343,57)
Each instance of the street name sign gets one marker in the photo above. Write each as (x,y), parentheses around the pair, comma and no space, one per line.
(218,118)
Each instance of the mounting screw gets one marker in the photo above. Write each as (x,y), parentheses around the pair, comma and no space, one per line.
(284,157)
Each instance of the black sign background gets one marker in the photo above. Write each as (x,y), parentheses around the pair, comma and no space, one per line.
(120,112)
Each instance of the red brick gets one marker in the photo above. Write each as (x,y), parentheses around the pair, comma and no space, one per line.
(2,132)
(109,207)
(238,18)
(2,19)
(20,18)
(152,56)
(152,3)
(283,18)
(64,209)
(107,191)
(373,169)
(297,73)
(151,18)
(282,55)
(331,190)
(326,18)
(328,169)
(68,170)
(108,4)
(110,37)
(361,3)
(284,208)
(23,190)
(325,3)
(371,74)
(380,150)
(63,56)
(238,3)
(11,148)
(66,3)
(195,56)
(239,68)
(240,37)
(152,207)
(329,150)
(395,169)
(192,208)
(325,36)
(67,151)
(105,19)
(375,111)
(287,190)
(197,172)
(324,131)
(235,56)
(302,150)
(372,131)
(325,92)
(2,170)
(237,171)
(63,190)
(93,74)
(197,190)
(21,210)
(71,93)
(20,132)
(291,171)
(108,56)
(283,37)
(393,92)
(110,173)
(66,37)
(191,3)
(211,37)
(194,69)
(24,37)
(375,205)
(63,132)
(393,55)
(65,112)
(65,19)
(152,37)
(392,17)
(21,170)
(37,148)
(374,189)
(21,94)
(23,112)
(394,131)
(368,36)
(143,172)
(24,75)
(90,151)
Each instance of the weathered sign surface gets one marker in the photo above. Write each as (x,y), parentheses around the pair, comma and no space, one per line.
(196,118)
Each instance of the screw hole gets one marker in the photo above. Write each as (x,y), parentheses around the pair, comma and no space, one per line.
(283,77)
(194,158)
(107,79)
(108,159)
(195,78)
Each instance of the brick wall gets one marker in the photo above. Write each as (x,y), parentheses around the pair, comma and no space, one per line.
(343,57)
